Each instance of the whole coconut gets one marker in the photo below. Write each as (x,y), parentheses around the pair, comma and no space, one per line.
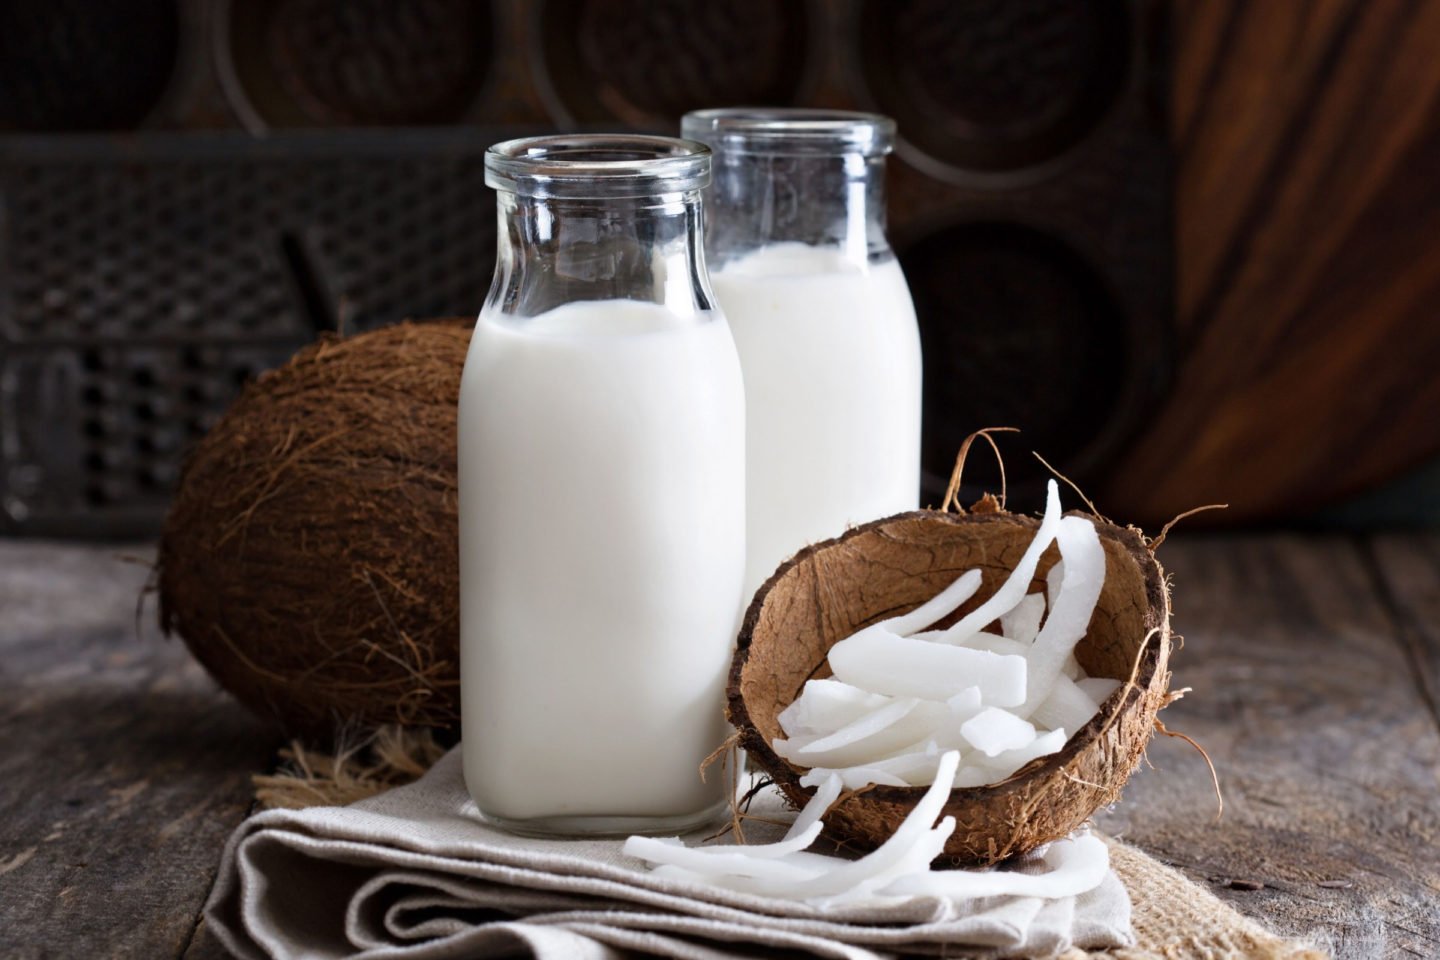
(310,558)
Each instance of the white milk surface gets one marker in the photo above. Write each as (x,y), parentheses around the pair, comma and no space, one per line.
(831,355)
(602,519)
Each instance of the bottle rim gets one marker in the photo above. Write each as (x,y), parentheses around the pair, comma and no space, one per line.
(597,166)
(790,131)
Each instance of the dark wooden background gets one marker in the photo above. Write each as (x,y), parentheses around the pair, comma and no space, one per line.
(1307,136)
(1183,244)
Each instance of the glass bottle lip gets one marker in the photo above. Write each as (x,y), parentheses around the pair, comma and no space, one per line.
(790,131)
(597,166)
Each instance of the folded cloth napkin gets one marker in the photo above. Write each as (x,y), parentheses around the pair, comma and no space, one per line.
(414,874)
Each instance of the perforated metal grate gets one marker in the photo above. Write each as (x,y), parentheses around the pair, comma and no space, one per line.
(141,284)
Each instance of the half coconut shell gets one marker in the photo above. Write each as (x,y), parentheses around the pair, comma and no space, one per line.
(888,567)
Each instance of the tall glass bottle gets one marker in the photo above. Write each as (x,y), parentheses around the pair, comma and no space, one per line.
(601,449)
(822,318)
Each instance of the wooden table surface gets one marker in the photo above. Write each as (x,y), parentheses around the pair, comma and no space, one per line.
(1315,663)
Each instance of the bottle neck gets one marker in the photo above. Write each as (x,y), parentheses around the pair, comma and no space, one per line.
(552,251)
(834,201)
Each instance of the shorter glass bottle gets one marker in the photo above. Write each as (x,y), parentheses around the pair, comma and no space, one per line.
(602,486)
(822,318)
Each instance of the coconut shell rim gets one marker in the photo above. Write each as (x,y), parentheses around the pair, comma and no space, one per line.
(1153,650)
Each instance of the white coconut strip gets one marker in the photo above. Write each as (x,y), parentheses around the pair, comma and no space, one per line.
(996,644)
(825,706)
(856,777)
(973,776)
(747,861)
(941,605)
(915,860)
(1072,668)
(915,768)
(863,726)
(1070,616)
(1074,866)
(962,707)
(802,833)
(1098,688)
(1023,622)
(993,731)
(896,855)
(1067,706)
(809,876)
(827,791)
(1053,579)
(756,875)
(1013,590)
(876,736)
(882,662)
(1002,765)
(964,704)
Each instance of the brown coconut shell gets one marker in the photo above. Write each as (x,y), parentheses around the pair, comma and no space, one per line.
(310,556)
(888,567)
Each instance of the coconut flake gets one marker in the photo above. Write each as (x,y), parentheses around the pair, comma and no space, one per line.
(1067,706)
(1002,765)
(826,793)
(874,736)
(1074,866)
(941,605)
(992,643)
(825,706)
(736,861)
(1023,623)
(992,731)
(1098,688)
(913,769)
(882,662)
(801,875)
(1013,590)
(1069,617)
(898,854)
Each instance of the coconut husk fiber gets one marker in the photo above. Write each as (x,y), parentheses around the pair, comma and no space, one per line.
(310,557)
(888,567)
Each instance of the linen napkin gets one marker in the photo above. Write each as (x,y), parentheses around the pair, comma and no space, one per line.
(414,874)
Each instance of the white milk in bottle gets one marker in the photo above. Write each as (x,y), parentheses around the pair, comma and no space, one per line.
(602,449)
(823,321)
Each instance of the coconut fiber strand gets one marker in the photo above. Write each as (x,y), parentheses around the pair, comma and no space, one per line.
(1173,918)
(310,558)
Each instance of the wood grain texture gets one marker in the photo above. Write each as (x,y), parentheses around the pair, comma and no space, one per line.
(124,768)
(1408,569)
(1328,756)
(1308,291)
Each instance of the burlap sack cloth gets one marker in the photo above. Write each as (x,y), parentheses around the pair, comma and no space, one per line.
(412,875)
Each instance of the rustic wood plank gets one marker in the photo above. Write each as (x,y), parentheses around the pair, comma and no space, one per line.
(1408,566)
(124,768)
(1328,756)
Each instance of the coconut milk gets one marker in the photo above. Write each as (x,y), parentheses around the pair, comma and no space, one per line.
(601,455)
(831,355)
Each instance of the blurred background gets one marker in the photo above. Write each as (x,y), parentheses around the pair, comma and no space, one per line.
(1186,245)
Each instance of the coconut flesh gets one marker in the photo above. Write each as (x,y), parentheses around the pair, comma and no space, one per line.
(913,705)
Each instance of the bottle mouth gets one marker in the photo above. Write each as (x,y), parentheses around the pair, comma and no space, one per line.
(597,166)
(787,131)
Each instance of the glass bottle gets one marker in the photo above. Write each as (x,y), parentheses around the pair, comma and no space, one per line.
(601,455)
(822,318)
